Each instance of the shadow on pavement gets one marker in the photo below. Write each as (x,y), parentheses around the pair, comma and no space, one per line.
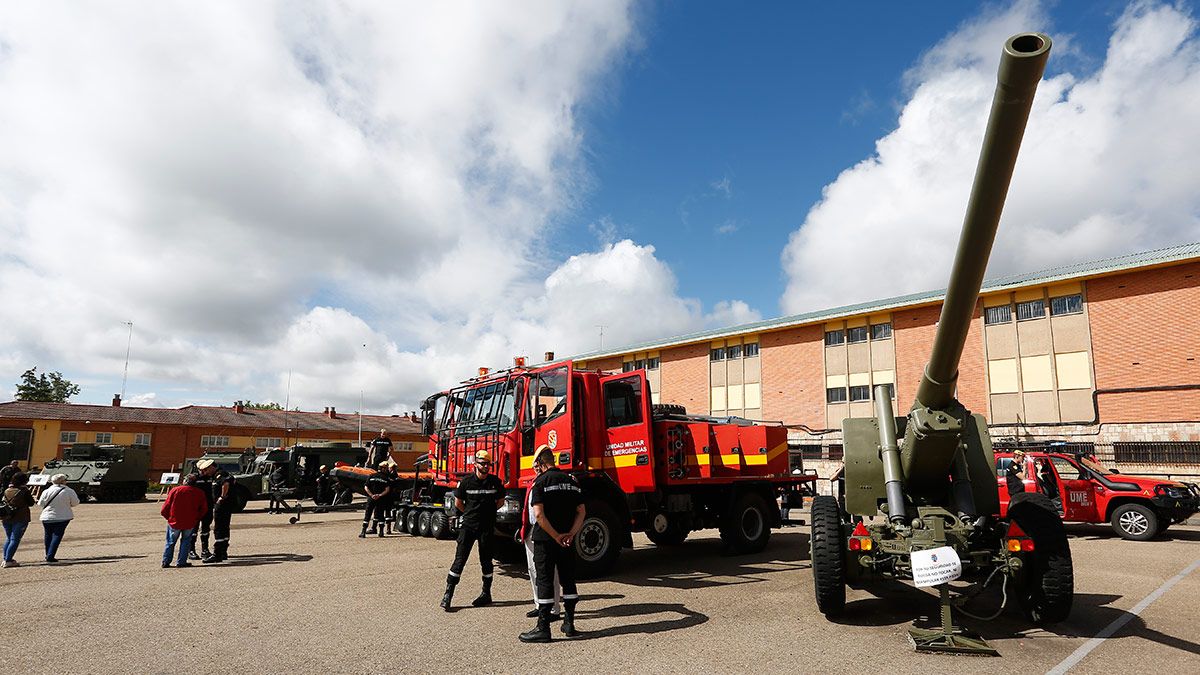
(707,563)
(264,559)
(1089,532)
(95,560)
(686,619)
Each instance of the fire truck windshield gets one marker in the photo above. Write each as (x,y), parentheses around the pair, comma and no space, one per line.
(485,409)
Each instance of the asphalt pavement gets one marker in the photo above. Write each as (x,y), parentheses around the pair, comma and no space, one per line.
(313,598)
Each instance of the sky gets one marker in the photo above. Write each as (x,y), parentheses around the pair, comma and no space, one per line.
(358,205)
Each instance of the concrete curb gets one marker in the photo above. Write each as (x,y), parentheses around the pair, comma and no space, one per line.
(1195,520)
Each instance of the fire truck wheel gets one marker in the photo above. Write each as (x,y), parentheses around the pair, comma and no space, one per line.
(1134,521)
(402,519)
(412,522)
(746,527)
(828,555)
(439,526)
(425,523)
(599,540)
(1046,585)
(665,530)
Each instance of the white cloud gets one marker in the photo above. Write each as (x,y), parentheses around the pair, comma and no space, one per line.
(723,187)
(728,227)
(731,313)
(1107,165)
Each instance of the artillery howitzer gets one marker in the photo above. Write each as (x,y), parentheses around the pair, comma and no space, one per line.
(927,481)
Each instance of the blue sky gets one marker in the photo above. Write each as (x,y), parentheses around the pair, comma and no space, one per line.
(376,200)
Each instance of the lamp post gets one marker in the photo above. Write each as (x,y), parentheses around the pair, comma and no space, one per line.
(360,406)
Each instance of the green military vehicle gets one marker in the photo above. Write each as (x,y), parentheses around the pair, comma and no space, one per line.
(301,464)
(108,473)
(235,462)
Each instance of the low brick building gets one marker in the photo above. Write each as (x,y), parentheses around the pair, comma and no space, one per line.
(1101,353)
(39,431)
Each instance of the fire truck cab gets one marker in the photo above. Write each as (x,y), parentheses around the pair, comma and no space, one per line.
(643,467)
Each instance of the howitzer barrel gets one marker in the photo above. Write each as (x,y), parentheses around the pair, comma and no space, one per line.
(1021,67)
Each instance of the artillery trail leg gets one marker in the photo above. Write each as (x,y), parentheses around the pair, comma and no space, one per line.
(946,639)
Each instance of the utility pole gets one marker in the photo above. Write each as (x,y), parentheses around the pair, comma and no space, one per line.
(360,407)
(601,327)
(128,344)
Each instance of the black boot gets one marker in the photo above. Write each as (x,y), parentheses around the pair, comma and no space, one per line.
(372,530)
(363,534)
(540,632)
(204,552)
(448,597)
(378,524)
(568,625)
(485,598)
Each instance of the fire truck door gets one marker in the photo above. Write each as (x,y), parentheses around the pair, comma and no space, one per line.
(627,456)
(550,411)
(1077,493)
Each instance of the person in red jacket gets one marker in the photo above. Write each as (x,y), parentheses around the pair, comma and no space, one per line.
(184,507)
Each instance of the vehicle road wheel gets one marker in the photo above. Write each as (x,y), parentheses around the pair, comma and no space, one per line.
(828,555)
(746,526)
(1046,585)
(412,522)
(425,523)
(1134,521)
(598,543)
(402,519)
(665,530)
(438,526)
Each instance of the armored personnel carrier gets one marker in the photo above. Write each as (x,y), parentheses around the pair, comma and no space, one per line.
(108,473)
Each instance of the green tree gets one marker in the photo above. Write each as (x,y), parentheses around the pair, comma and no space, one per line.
(269,405)
(50,387)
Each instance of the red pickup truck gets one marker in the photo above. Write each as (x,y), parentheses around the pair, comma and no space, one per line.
(1085,491)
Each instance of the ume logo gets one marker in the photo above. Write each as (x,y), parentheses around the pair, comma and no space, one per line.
(1080,498)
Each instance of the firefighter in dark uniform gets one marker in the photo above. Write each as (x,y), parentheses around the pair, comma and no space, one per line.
(478,496)
(204,482)
(1015,475)
(394,489)
(381,450)
(557,502)
(222,492)
(323,494)
(378,488)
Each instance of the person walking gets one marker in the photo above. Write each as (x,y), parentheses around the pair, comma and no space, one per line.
(276,484)
(223,508)
(203,482)
(558,511)
(478,497)
(57,503)
(17,501)
(381,450)
(378,487)
(6,474)
(183,508)
(525,535)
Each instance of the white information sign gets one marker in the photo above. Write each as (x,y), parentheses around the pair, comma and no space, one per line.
(935,566)
(40,479)
(169,479)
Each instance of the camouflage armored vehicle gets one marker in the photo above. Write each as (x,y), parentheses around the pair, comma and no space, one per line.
(108,473)
(301,464)
(234,462)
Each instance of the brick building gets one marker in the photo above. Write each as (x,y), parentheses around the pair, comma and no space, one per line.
(39,431)
(1101,353)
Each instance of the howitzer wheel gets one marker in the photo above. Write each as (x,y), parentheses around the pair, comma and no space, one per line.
(828,555)
(412,522)
(425,523)
(1046,586)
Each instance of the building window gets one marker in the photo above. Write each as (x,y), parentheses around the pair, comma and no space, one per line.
(640,364)
(858,334)
(998,314)
(860,392)
(652,363)
(68,437)
(834,337)
(103,437)
(1067,304)
(627,366)
(1033,309)
(881,331)
(214,441)
(268,442)
(750,350)
(717,354)
(733,352)
(404,446)
(835,395)
(141,439)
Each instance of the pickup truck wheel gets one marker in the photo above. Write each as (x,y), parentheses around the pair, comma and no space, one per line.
(746,527)
(828,555)
(665,530)
(1046,584)
(1134,521)
(598,543)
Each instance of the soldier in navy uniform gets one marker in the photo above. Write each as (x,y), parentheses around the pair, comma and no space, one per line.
(478,497)
(557,502)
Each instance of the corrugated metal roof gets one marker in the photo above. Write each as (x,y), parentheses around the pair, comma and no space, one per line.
(1075,271)
(208,416)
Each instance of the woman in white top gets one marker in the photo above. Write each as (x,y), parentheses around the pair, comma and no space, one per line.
(56,502)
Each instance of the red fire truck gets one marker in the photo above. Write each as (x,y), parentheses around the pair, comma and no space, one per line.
(643,467)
